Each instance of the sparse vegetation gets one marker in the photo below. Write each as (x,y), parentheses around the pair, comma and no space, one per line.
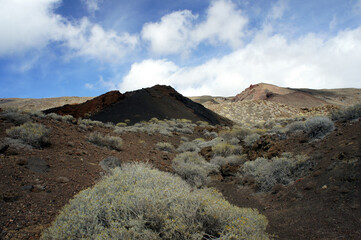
(251,139)
(109,163)
(229,160)
(15,116)
(347,114)
(278,170)
(33,134)
(225,149)
(188,147)
(295,127)
(165,146)
(138,202)
(193,168)
(318,127)
(110,142)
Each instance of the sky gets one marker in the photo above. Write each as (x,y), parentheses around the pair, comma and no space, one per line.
(54,48)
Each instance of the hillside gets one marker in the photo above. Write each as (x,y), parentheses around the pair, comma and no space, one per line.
(161,102)
(321,202)
(264,101)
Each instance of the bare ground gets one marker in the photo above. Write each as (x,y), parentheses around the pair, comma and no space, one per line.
(323,205)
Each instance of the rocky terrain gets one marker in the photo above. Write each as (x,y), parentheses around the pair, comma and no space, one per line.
(319,198)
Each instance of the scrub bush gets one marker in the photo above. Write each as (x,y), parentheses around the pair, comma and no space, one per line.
(33,134)
(110,142)
(318,127)
(138,202)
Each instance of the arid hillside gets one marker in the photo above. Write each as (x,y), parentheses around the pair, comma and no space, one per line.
(39,104)
(161,102)
(262,102)
(303,176)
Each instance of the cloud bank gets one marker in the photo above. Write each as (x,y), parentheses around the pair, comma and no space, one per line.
(29,25)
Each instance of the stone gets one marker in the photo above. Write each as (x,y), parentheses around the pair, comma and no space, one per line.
(62,180)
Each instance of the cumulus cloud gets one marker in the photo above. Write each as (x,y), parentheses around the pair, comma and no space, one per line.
(178,32)
(28,25)
(310,61)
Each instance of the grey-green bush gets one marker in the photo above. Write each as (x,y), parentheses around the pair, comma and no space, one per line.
(318,127)
(110,142)
(278,170)
(188,147)
(249,140)
(295,126)
(346,114)
(109,163)
(34,134)
(141,203)
(225,149)
(165,146)
(193,168)
(15,116)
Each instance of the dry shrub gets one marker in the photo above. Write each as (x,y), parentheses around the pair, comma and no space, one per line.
(165,146)
(193,168)
(110,142)
(318,127)
(138,202)
(33,134)
(225,149)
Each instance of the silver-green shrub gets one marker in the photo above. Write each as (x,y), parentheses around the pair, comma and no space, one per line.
(33,134)
(165,146)
(110,142)
(249,140)
(229,160)
(225,149)
(295,126)
(109,163)
(193,168)
(318,127)
(278,170)
(348,113)
(188,147)
(15,116)
(141,203)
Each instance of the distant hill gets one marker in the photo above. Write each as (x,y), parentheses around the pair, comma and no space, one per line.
(263,102)
(39,104)
(162,102)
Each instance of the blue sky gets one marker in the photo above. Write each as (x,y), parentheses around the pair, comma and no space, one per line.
(53,48)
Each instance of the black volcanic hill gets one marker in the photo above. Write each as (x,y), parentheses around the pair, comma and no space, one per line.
(159,101)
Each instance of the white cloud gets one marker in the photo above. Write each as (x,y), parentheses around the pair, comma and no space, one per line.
(310,61)
(28,25)
(101,84)
(92,5)
(172,34)
(178,33)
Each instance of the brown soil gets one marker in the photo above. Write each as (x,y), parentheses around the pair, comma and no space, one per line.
(162,102)
(323,205)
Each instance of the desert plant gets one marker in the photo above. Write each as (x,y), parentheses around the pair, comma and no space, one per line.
(34,134)
(225,149)
(15,116)
(249,140)
(318,127)
(110,142)
(230,160)
(165,146)
(193,168)
(138,202)
(348,113)
(210,134)
(278,170)
(109,163)
(188,147)
(121,124)
(295,126)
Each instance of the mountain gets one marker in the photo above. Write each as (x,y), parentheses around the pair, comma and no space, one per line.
(161,102)
(263,102)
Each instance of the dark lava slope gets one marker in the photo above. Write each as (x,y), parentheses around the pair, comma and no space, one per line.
(159,101)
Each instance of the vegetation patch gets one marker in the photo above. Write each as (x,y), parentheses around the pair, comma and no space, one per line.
(347,114)
(318,127)
(110,142)
(165,146)
(278,170)
(138,202)
(33,134)
(193,168)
